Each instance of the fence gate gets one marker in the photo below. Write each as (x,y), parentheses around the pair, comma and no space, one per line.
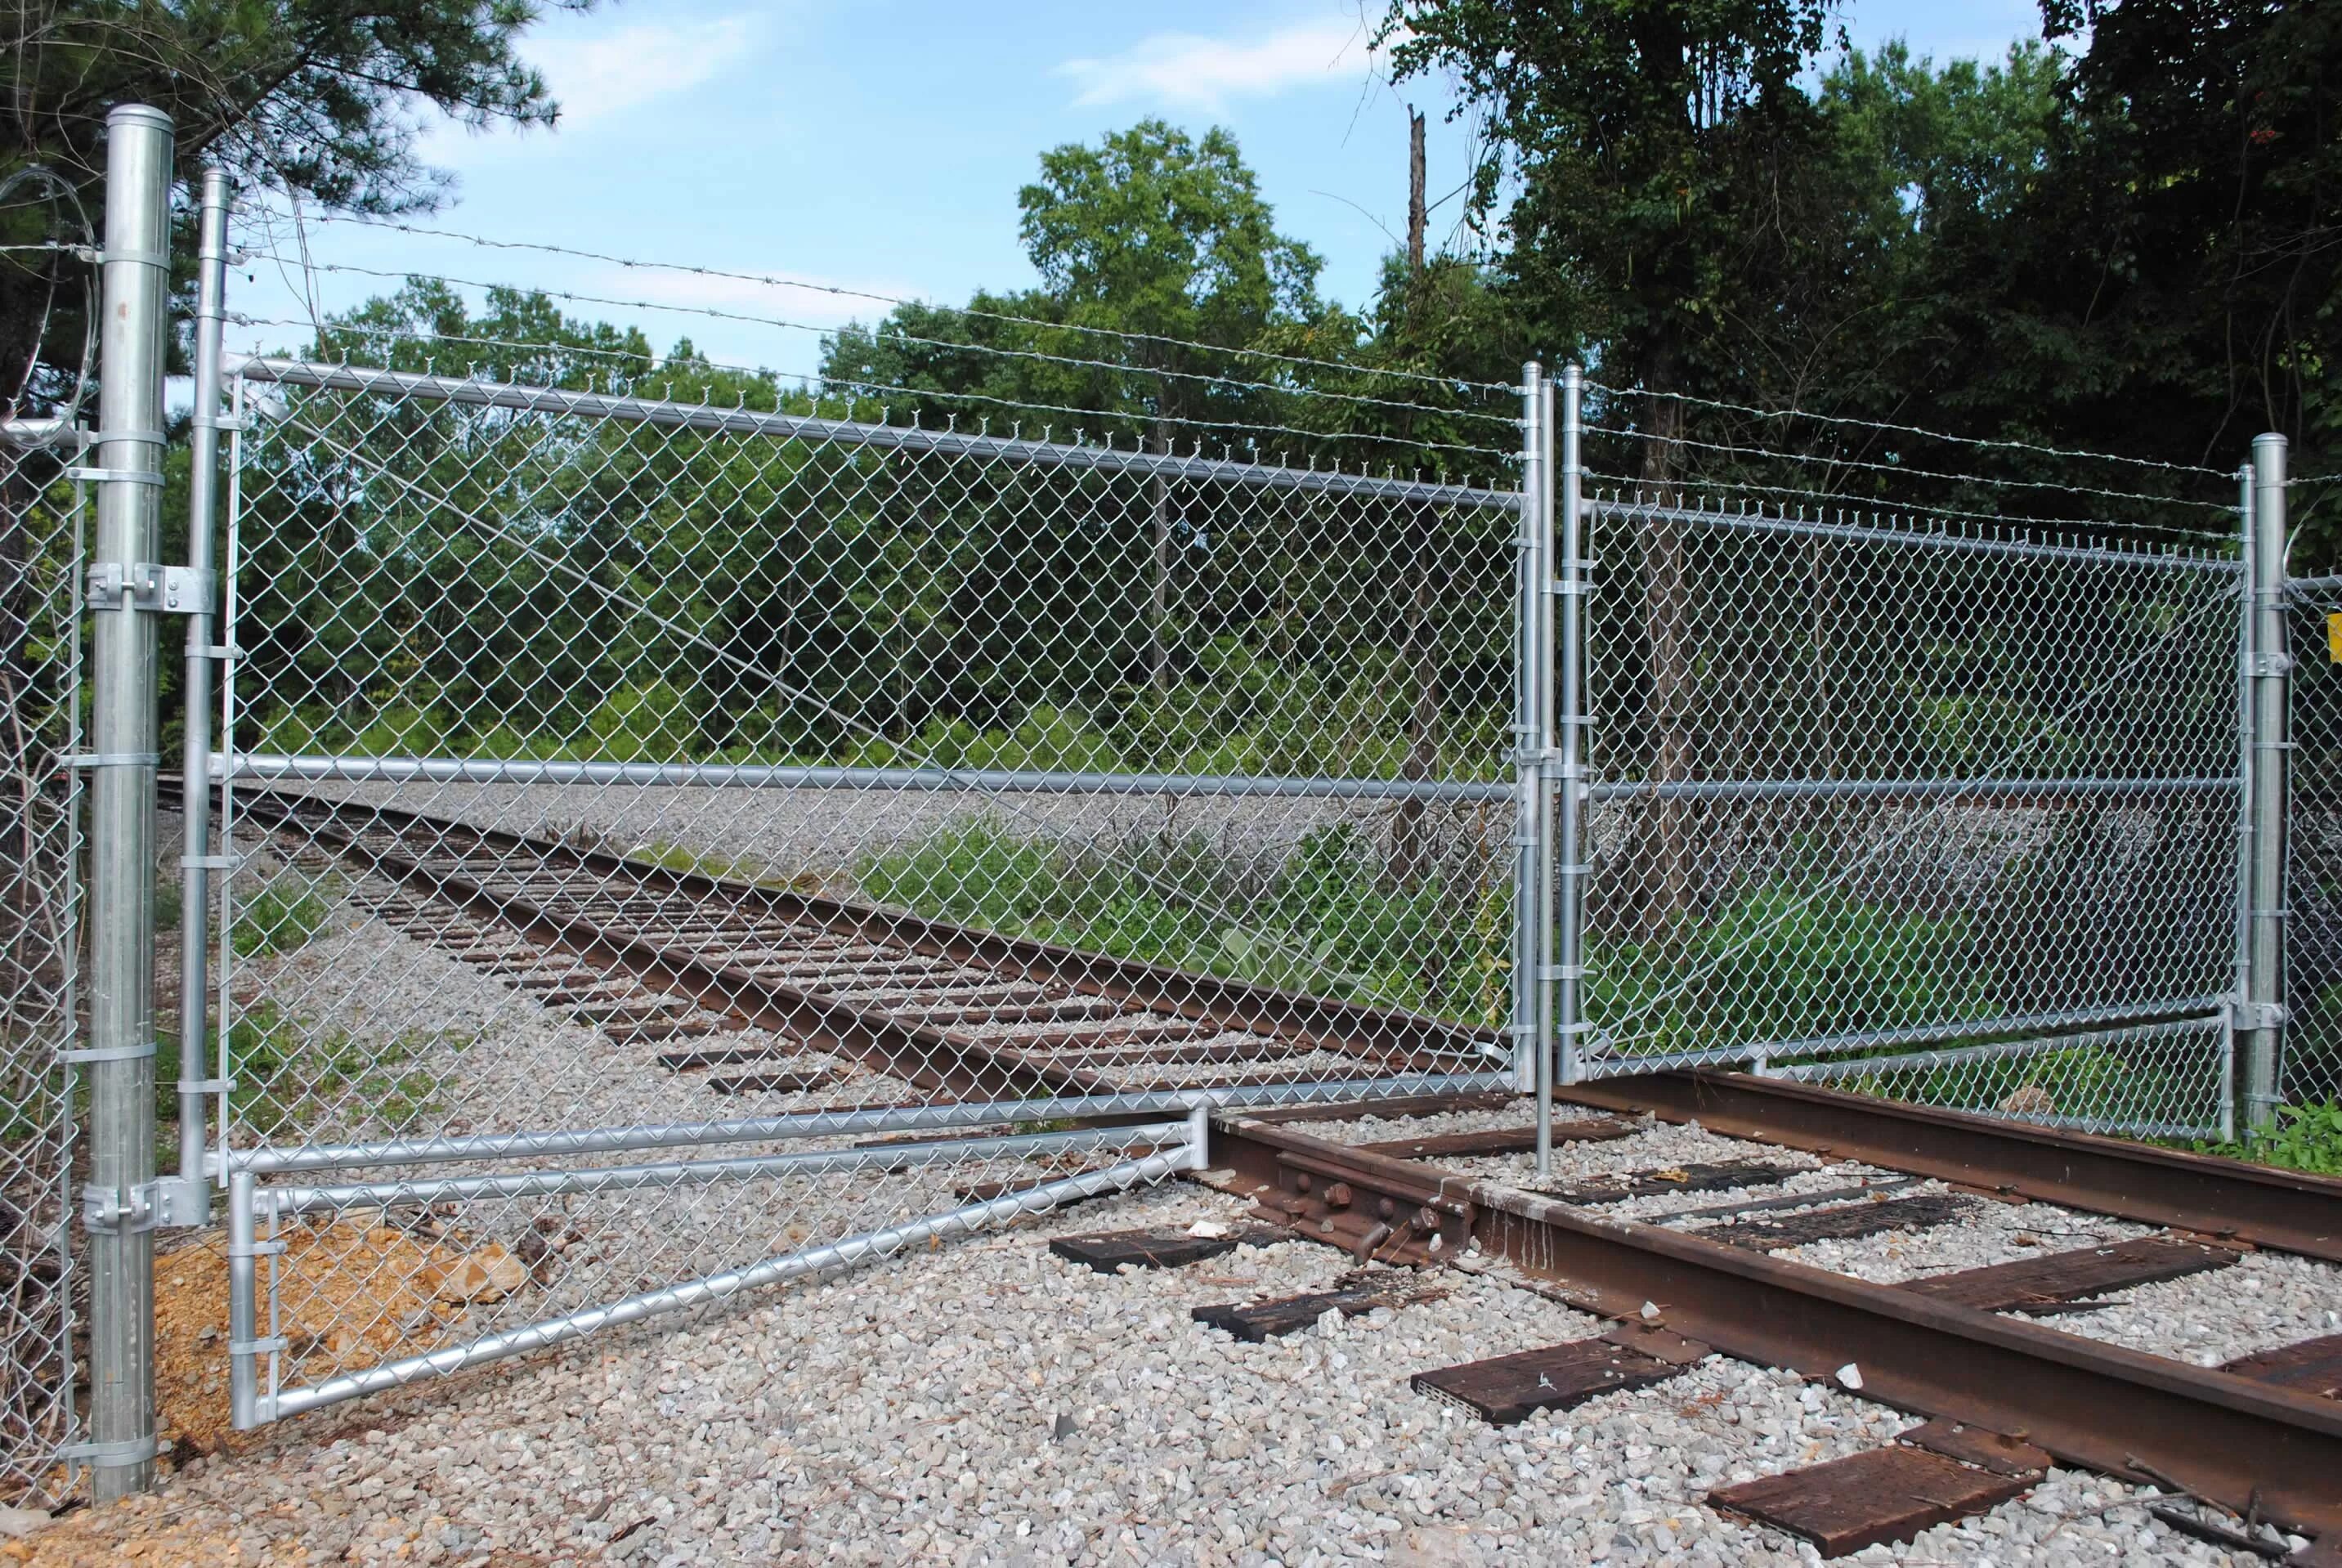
(2311,1071)
(642,797)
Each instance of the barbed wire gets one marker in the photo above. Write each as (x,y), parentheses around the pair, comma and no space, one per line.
(1767,454)
(2001,518)
(881,389)
(1980,441)
(841,291)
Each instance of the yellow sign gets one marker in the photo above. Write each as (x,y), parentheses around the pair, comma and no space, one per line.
(2334,638)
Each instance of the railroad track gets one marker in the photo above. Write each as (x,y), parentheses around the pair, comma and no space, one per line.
(650,953)
(1721,1258)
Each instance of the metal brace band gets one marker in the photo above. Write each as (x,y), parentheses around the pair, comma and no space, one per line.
(268,1346)
(207,862)
(115,760)
(255,1249)
(225,653)
(206,1086)
(133,258)
(125,475)
(147,437)
(1562,972)
(2272,664)
(216,422)
(172,590)
(116,1455)
(107,1053)
(1567,589)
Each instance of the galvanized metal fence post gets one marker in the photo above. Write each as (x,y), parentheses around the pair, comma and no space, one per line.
(2230,1057)
(127,589)
(1571,734)
(2272,667)
(187,1199)
(1528,738)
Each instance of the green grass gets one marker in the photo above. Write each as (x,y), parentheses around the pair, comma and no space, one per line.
(1324,920)
(291,1077)
(282,916)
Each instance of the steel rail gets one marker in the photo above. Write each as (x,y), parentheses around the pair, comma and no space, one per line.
(2098,1406)
(1352,1028)
(2284,1211)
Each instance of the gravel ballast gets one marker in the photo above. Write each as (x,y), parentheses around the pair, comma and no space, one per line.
(989,1402)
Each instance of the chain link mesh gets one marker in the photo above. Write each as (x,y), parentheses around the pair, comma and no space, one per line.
(2311,1071)
(1862,791)
(617,777)
(40,547)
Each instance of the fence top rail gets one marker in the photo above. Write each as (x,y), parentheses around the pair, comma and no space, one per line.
(711,420)
(1918,532)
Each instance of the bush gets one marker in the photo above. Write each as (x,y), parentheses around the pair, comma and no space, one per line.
(2309,1138)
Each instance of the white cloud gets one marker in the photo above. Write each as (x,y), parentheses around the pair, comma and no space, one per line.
(1185,69)
(594,78)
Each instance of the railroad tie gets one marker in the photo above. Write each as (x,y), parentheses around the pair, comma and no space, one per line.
(1107,1251)
(1934,1474)
(2311,1366)
(1499,1140)
(1505,1390)
(1354,1295)
(1841,1224)
(1723,1176)
(2076,1281)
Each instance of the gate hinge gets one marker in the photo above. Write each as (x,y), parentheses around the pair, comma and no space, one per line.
(2272,663)
(167,1201)
(168,590)
(2249,1016)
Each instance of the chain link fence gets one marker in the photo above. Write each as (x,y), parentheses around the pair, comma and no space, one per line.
(614,772)
(1942,816)
(41,525)
(2311,1071)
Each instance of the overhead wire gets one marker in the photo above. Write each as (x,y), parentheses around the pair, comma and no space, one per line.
(841,291)
(1979,441)
(883,389)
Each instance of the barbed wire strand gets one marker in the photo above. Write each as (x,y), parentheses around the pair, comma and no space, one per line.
(1767,454)
(881,388)
(1644,500)
(717,312)
(1980,441)
(842,292)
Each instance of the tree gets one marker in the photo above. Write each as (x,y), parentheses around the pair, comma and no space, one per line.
(1663,151)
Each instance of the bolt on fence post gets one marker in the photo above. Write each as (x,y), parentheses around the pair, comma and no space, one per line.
(1571,731)
(2229,1055)
(1527,751)
(2264,1001)
(118,1205)
(190,1197)
(1531,705)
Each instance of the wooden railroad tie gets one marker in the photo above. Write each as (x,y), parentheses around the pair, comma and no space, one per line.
(1499,1140)
(1506,1390)
(2075,1280)
(1841,1224)
(1718,1177)
(1108,1251)
(1354,1295)
(1935,1474)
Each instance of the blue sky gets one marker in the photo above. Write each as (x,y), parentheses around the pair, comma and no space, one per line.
(878,144)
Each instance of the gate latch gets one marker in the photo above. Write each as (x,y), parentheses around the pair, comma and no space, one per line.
(168,590)
(166,1201)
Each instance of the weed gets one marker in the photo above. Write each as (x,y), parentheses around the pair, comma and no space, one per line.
(289,1077)
(282,916)
(2310,1139)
